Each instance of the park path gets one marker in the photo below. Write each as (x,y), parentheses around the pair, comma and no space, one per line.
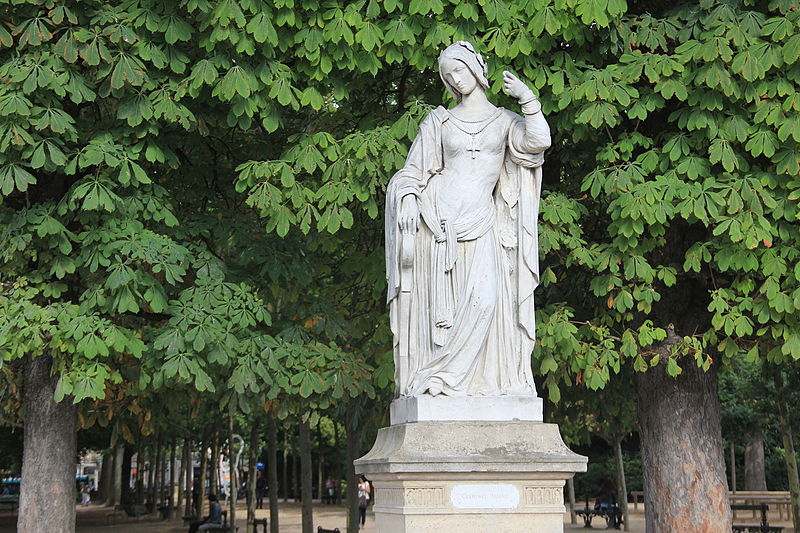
(93,519)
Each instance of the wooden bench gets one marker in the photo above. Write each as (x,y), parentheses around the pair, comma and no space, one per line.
(321,530)
(188,519)
(780,500)
(260,522)
(763,527)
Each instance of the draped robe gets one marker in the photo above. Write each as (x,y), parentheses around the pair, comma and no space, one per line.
(460,290)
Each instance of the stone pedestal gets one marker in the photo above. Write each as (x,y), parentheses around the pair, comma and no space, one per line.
(470,477)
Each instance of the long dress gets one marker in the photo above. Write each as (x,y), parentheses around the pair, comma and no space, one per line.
(461,299)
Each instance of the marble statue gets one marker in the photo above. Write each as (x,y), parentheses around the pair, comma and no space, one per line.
(461,240)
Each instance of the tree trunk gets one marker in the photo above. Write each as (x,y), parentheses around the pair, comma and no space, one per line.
(755,476)
(788,445)
(571,490)
(106,477)
(172,481)
(125,483)
(161,500)
(350,472)
(157,486)
(685,487)
(187,482)
(320,462)
(181,478)
(307,475)
(338,472)
(296,469)
(285,466)
(622,486)
(252,459)
(201,489)
(214,467)
(119,455)
(151,474)
(140,475)
(47,497)
(734,484)
(234,474)
(272,466)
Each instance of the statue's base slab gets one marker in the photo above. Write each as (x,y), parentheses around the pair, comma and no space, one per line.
(470,477)
(498,408)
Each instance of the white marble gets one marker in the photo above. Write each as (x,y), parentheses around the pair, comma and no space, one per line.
(462,240)
(497,408)
(469,477)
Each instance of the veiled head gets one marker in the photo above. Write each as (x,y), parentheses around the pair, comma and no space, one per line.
(462,69)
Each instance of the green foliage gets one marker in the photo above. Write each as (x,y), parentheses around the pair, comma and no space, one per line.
(207,178)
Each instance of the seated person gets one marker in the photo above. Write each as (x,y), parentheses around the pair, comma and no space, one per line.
(214,518)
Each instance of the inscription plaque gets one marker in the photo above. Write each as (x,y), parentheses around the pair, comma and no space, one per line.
(485,496)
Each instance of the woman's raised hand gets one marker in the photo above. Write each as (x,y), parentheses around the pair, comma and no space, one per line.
(515,88)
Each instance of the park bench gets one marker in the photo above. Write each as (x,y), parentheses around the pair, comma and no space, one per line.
(321,530)
(188,519)
(260,522)
(612,515)
(779,500)
(763,527)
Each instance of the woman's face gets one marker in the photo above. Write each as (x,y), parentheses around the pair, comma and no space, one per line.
(458,76)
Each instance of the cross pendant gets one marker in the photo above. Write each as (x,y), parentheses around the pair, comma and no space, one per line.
(473,147)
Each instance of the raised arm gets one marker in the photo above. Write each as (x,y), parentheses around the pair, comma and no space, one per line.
(536,135)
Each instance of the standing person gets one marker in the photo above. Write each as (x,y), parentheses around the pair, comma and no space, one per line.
(364,491)
(330,490)
(261,489)
(214,518)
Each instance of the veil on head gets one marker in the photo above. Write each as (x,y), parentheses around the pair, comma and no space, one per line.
(464,51)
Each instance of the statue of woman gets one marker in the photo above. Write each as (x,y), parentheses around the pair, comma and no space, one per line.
(461,240)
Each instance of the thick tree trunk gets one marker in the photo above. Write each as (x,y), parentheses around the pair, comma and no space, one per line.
(788,446)
(685,487)
(201,489)
(307,480)
(47,498)
(272,467)
(106,477)
(755,476)
(350,473)
(622,486)
(252,459)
